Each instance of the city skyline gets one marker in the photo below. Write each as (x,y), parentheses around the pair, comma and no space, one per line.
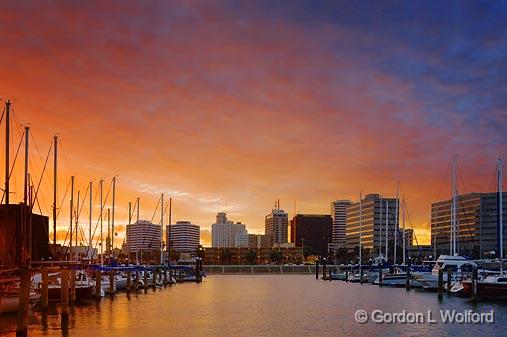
(241,124)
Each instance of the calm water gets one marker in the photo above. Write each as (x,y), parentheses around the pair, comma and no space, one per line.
(261,306)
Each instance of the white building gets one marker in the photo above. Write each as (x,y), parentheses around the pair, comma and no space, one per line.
(339,215)
(143,236)
(277,226)
(183,237)
(225,233)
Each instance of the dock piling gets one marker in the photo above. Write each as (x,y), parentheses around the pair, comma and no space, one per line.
(380,276)
(44,290)
(98,283)
(475,276)
(449,279)
(407,283)
(317,269)
(136,281)
(65,294)
(111,283)
(145,280)
(129,278)
(440,283)
(24,302)
(72,286)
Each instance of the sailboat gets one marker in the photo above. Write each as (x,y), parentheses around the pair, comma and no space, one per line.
(456,263)
(493,286)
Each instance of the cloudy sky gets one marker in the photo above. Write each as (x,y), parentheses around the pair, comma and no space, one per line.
(233,105)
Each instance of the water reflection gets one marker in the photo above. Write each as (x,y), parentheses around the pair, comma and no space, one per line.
(258,306)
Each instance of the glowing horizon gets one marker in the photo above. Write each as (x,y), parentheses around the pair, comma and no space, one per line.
(243,104)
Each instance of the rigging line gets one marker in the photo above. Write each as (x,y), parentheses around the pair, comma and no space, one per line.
(42,175)
(143,237)
(102,206)
(40,158)
(65,156)
(63,199)
(2,118)
(13,164)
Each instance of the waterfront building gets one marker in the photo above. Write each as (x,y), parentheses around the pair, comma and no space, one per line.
(477,224)
(277,225)
(339,216)
(371,225)
(143,236)
(240,256)
(260,241)
(226,233)
(12,227)
(184,237)
(314,231)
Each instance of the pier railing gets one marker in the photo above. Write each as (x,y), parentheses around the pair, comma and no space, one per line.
(260,269)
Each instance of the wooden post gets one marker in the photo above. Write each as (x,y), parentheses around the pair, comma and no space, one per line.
(449,280)
(346,275)
(380,276)
(129,278)
(440,283)
(24,302)
(154,279)
(361,274)
(324,269)
(111,283)
(165,277)
(475,276)
(136,281)
(98,283)
(407,283)
(72,286)
(145,280)
(44,290)
(65,293)
(317,269)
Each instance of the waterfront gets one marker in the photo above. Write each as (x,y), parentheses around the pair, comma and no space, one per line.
(261,305)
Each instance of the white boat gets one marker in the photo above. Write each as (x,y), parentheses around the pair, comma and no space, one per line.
(457,264)
(338,275)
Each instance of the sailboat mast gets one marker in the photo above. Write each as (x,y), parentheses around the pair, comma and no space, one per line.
(387,231)
(500,211)
(161,228)
(55,190)
(396,219)
(27,181)
(7,145)
(403,227)
(380,227)
(77,221)
(101,230)
(360,229)
(71,215)
(90,224)
(169,231)
(128,227)
(453,209)
(112,216)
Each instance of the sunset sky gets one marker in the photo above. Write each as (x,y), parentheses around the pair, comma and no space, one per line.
(246,102)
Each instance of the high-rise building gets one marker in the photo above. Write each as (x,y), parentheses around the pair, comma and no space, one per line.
(369,224)
(277,226)
(477,224)
(143,236)
(184,237)
(226,233)
(339,215)
(314,231)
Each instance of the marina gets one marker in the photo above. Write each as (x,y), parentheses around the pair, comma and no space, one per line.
(261,305)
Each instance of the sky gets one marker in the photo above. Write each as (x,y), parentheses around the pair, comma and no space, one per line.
(232,105)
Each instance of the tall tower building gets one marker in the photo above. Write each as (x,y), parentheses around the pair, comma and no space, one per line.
(369,224)
(339,215)
(226,233)
(143,236)
(184,236)
(277,225)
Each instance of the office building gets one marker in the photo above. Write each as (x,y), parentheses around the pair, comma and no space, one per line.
(370,224)
(226,233)
(339,216)
(277,226)
(477,224)
(314,231)
(183,236)
(143,236)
